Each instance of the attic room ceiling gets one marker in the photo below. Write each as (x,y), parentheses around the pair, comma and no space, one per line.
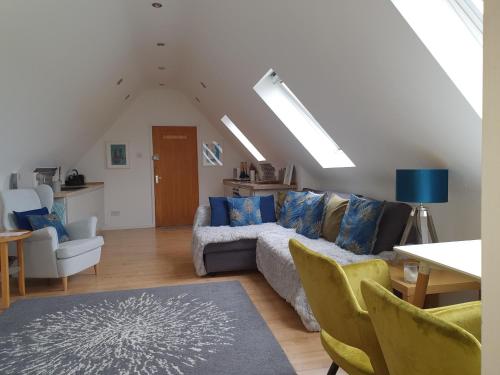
(357,66)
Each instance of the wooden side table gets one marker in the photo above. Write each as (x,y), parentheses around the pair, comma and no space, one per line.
(440,281)
(4,264)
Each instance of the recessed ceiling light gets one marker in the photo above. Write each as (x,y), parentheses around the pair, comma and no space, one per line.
(197,99)
(119,81)
(161,84)
(161,68)
(157,5)
(160,44)
(203,85)
(127,97)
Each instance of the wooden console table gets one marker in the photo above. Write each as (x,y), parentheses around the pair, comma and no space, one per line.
(4,264)
(244,189)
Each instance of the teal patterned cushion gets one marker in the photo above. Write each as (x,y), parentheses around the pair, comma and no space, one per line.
(311,221)
(244,211)
(50,220)
(359,226)
(292,209)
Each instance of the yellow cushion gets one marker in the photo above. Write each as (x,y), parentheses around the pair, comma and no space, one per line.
(334,212)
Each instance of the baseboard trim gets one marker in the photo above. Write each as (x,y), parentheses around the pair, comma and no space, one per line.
(110,227)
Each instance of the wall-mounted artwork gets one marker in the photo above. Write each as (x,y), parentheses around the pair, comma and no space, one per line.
(117,155)
(212,154)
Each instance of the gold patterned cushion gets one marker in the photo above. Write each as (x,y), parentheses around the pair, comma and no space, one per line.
(279,203)
(334,212)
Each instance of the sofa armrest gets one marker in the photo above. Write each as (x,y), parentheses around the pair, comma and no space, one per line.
(465,315)
(48,236)
(202,217)
(82,229)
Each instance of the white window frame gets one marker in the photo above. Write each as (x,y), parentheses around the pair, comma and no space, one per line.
(231,126)
(300,122)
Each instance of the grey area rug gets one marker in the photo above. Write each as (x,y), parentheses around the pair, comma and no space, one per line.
(208,328)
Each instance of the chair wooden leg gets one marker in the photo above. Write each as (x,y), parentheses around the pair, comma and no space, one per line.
(96,269)
(333,369)
(65,283)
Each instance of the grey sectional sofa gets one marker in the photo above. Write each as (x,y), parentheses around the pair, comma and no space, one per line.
(265,247)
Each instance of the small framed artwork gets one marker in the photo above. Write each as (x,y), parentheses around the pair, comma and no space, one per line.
(287,180)
(212,154)
(117,155)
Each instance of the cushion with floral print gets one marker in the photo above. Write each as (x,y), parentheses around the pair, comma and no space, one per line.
(311,220)
(244,211)
(292,209)
(359,226)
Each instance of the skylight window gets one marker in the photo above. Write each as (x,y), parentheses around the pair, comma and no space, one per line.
(452,31)
(276,94)
(242,138)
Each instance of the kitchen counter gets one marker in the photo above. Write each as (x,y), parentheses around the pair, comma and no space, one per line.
(89,187)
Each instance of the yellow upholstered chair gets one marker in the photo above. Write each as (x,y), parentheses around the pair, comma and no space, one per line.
(417,342)
(334,294)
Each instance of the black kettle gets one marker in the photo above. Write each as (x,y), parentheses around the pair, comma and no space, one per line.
(75,179)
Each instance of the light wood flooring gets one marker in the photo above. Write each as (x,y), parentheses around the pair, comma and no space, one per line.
(142,258)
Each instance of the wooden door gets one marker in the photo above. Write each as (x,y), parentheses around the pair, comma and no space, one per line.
(175,174)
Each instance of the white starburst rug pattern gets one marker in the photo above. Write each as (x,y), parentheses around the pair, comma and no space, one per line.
(144,333)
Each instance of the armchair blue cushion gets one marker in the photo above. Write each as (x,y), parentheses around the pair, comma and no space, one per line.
(22,220)
(359,226)
(50,220)
(244,211)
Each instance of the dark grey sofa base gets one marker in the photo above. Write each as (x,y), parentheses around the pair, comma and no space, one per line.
(230,256)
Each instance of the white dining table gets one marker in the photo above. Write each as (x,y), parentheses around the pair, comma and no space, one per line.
(459,256)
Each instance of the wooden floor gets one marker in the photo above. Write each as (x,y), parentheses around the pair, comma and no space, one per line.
(143,258)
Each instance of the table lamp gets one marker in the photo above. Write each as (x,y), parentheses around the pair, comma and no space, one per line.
(421,186)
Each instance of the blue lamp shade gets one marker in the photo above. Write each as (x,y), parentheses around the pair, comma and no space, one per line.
(422,185)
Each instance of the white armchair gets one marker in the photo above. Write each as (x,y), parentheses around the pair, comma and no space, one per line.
(44,256)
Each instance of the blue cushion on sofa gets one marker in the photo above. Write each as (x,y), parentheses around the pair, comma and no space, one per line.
(50,220)
(359,226)
(219,212)
(311,221)
(22,220)
(267,210)
(292,209)
(244,211)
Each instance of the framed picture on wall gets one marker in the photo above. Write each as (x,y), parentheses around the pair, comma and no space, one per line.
(117,155)
(212,154)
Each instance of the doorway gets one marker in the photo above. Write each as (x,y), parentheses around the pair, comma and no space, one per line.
(175,159)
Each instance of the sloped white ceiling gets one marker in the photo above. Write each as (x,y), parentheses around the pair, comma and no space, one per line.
(355,64)
(59,65)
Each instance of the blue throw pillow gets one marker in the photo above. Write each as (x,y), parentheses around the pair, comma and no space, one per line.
(292,209)
(22,220)
(219,211)
(244,211)
(267,210)
(50,220)
(311,221)
(359,226)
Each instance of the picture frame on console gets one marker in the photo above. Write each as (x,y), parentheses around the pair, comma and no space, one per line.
(287,180)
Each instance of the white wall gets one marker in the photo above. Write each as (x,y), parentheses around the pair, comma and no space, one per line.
(491,189)
(130,191)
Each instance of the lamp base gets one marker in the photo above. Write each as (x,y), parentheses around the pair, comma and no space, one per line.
(421,219)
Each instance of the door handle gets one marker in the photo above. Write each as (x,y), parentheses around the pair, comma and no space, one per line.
(157,179)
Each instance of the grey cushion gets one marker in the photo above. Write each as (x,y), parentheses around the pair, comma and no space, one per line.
(239,245)
(71,249)
(230,256)
(391,226)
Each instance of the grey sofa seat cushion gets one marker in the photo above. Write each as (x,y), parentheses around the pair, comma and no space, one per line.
(240,245)
(74,248)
